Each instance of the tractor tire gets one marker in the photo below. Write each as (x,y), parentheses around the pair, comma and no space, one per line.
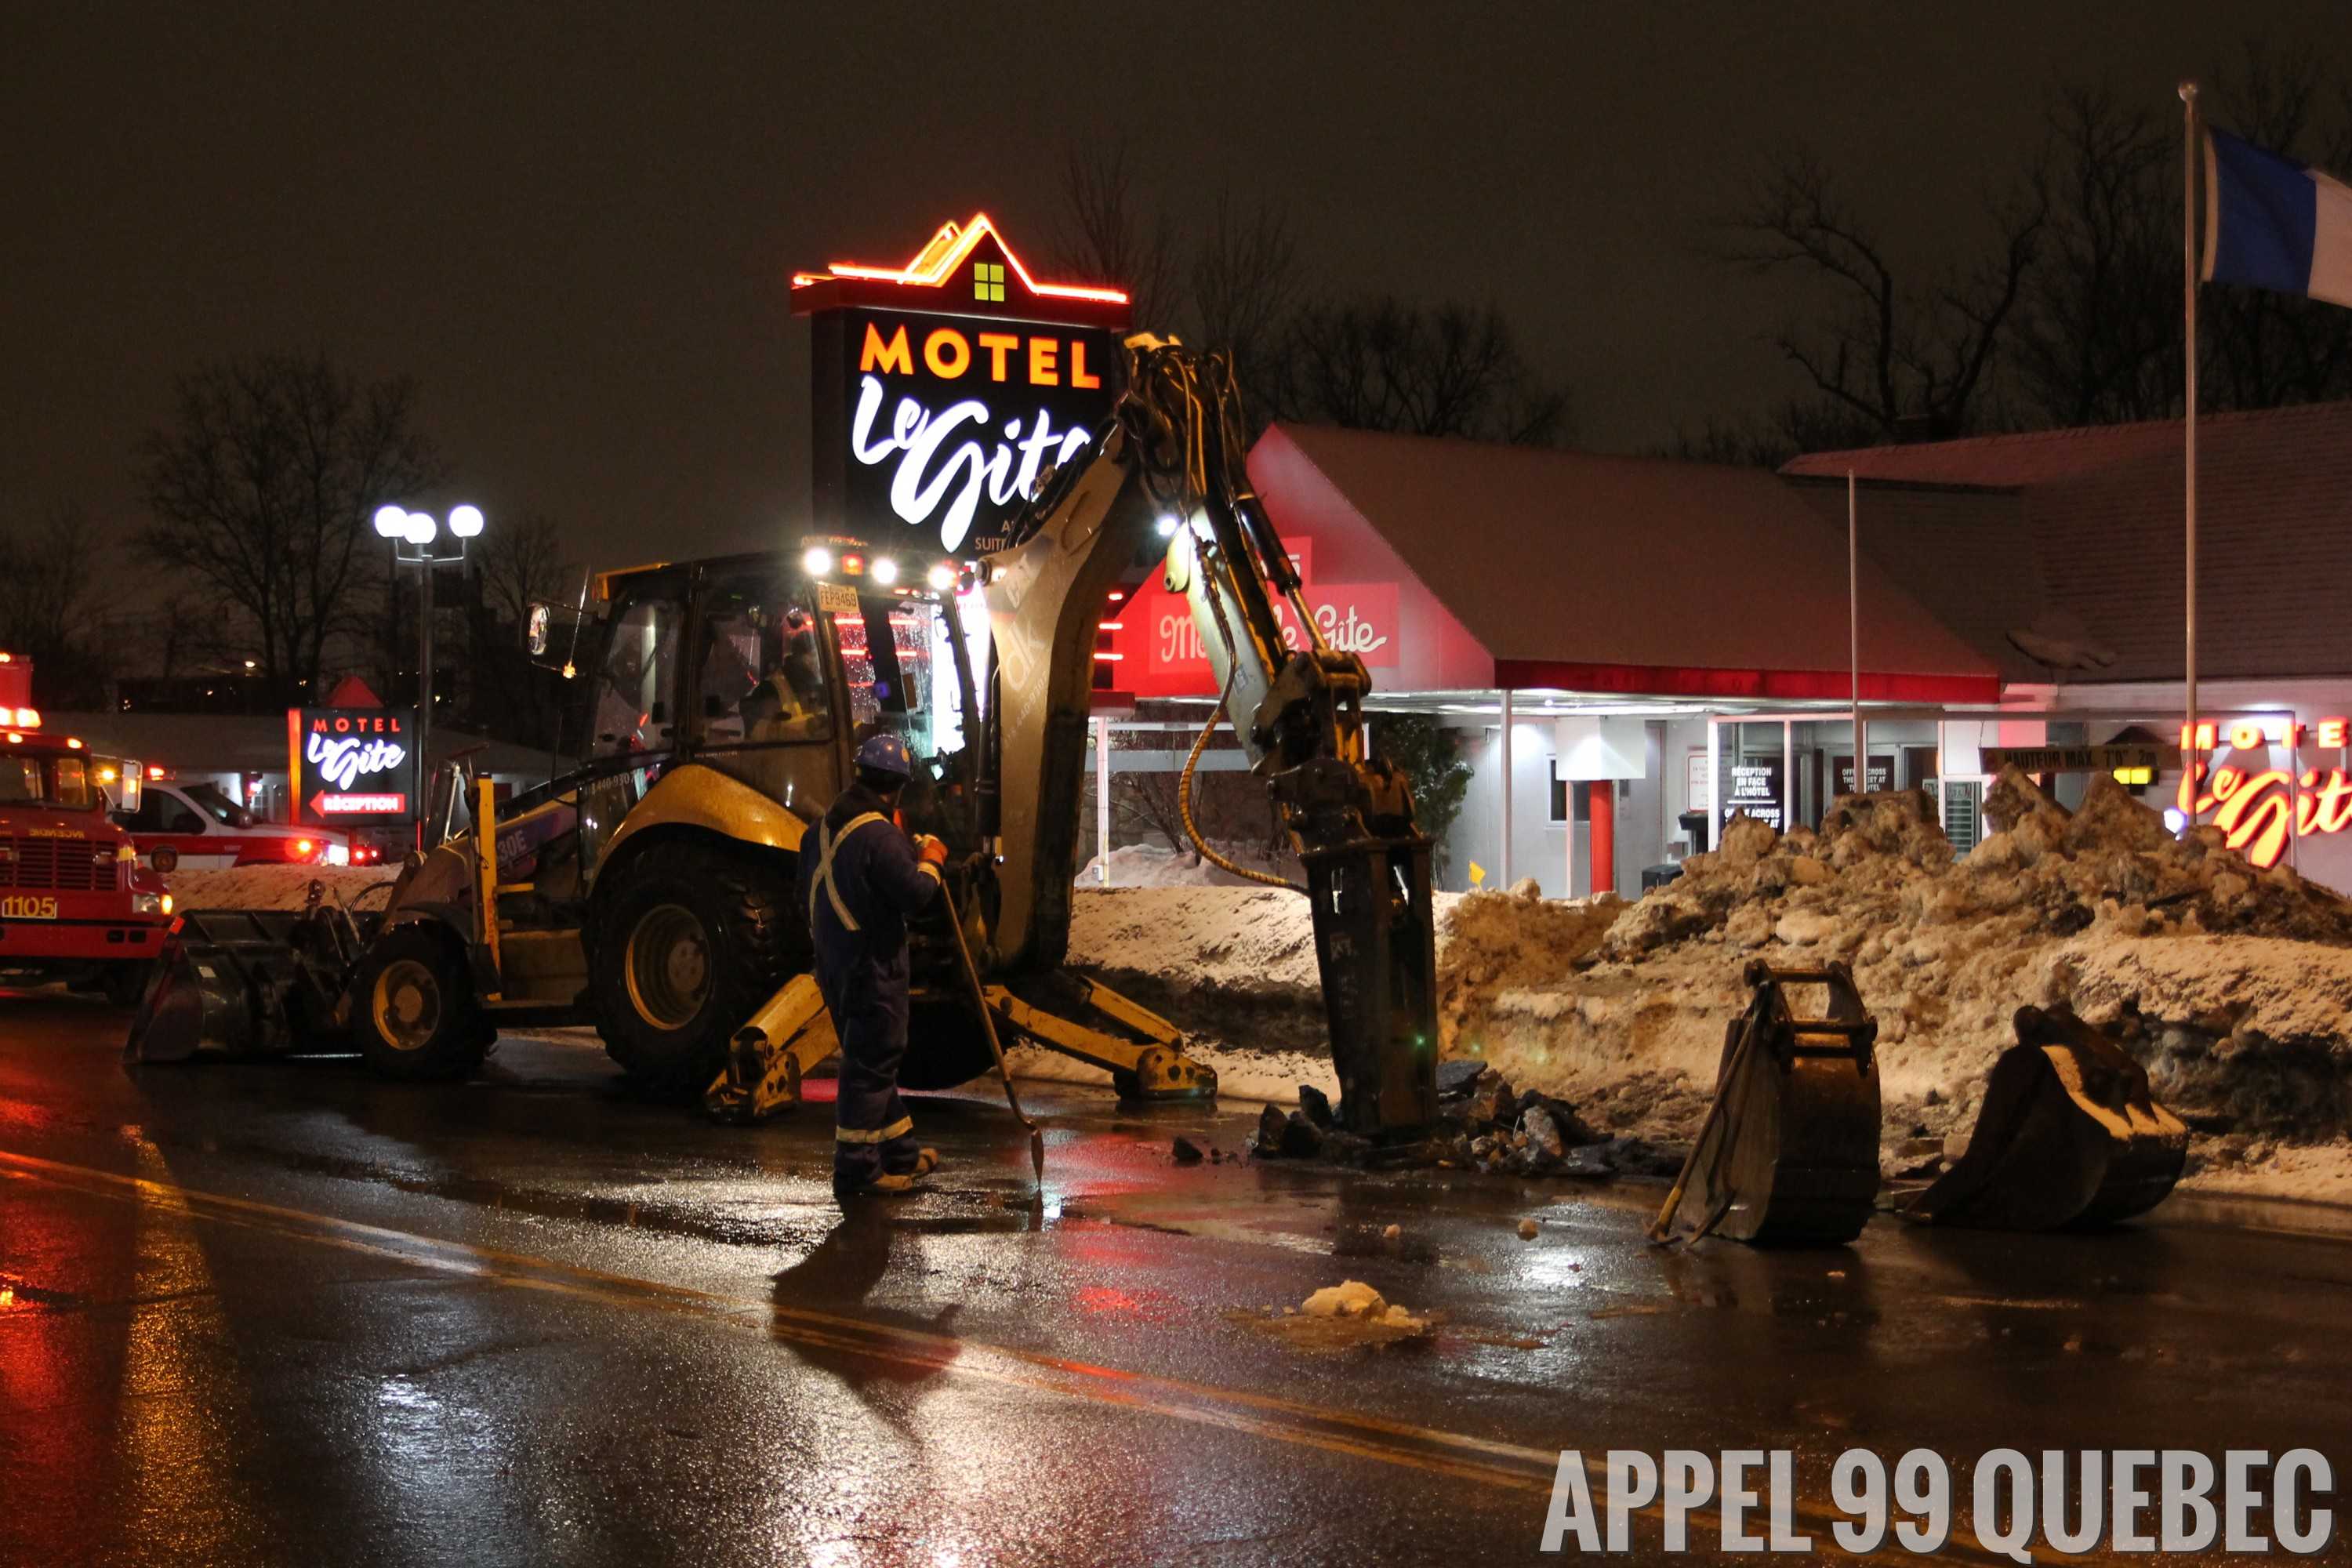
(415,1016)
(685,943)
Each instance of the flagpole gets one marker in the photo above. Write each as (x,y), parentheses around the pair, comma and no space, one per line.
(2189,477)
(1854,630)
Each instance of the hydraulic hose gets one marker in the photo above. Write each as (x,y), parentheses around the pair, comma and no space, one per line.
(1184,808)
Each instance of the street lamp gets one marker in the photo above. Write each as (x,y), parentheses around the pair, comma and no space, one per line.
(415,542)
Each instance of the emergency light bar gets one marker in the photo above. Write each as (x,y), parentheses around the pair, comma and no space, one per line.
(22,718)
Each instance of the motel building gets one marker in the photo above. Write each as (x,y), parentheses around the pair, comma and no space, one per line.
(1629,650)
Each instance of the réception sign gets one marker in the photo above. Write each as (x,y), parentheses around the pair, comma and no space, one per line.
(348,762)
(946,388)
(1755,792)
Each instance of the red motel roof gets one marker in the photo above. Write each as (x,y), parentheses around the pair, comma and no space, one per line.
(1583,573)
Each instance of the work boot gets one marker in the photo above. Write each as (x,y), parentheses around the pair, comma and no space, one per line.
(883,1184)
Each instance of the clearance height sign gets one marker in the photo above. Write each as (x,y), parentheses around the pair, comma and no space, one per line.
(944,388)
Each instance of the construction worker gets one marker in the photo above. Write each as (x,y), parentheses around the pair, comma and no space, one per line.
(862,878)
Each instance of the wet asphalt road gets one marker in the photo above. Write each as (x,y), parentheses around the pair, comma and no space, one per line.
(283,1314)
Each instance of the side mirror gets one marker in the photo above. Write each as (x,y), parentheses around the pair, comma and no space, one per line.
(535,628)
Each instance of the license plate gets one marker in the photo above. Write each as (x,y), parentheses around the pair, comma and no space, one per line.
(16,907)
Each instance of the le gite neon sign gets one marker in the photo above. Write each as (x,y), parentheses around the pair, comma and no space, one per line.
(988,411)
(2258,808)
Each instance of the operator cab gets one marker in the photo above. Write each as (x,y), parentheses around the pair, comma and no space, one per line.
(775,668)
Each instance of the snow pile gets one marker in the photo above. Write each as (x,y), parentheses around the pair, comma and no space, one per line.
(275,886)
(1149,865)
(2233,985)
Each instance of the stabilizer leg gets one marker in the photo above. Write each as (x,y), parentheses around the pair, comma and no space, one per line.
(1154,1068)
(762,1077)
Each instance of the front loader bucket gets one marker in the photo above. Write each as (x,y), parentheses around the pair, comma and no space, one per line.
(238,983)
(2069,1136)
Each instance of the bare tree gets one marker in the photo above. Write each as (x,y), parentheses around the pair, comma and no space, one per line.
(50,596)
(1447,369)
(2096,337)
(520,564)
(1106,236)
(262,490)
(1146,804)
(1803,423)
(1247,283)
(186,634)
(1893,352)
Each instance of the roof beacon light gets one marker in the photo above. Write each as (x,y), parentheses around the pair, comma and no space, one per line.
(886,571)
(29,718)
(817,562)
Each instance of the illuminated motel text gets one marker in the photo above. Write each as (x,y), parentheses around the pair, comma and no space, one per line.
(945,386)
(944,458)
(2259,808)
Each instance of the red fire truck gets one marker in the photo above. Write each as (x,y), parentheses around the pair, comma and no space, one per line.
(75,903)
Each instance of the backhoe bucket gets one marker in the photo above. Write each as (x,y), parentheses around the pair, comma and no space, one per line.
(244,983)
(2069,1137)
(1788,1152)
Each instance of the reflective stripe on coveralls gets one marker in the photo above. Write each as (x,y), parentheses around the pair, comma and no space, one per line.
(898,1129)
(826,844)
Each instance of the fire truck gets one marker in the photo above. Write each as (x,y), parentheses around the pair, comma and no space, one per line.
(75,904)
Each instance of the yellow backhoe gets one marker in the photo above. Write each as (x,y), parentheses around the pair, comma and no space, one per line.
(647,891)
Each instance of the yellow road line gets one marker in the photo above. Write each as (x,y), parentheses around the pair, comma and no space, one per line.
(1487,1461)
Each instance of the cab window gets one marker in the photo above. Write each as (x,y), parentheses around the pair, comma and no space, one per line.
(209,799)
(20,781)
(636,693)
(761,676)
(72,783)
(896,681)
(163,812)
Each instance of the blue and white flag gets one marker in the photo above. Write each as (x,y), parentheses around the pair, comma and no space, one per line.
(2276,223)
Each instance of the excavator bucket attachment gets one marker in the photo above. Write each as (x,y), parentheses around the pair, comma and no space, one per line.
(1788,1152)
(245,983)
(2069,1137)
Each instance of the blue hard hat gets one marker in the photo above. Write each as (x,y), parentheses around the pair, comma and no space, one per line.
(885,753)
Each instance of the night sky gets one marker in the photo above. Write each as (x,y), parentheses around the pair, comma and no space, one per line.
(573,224)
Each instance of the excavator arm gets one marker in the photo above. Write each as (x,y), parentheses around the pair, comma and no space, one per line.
(1174,448)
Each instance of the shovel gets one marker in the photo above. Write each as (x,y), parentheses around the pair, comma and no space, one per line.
(996,1048)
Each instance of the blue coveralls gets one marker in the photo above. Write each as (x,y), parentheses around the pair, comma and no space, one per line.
(860,879)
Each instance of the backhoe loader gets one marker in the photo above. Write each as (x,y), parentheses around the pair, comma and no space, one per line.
(647,891)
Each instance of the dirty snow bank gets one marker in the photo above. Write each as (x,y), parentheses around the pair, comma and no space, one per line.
(274,886)
(2233,985)
(1148,866)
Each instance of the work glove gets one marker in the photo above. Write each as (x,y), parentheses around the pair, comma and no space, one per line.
(930,849)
